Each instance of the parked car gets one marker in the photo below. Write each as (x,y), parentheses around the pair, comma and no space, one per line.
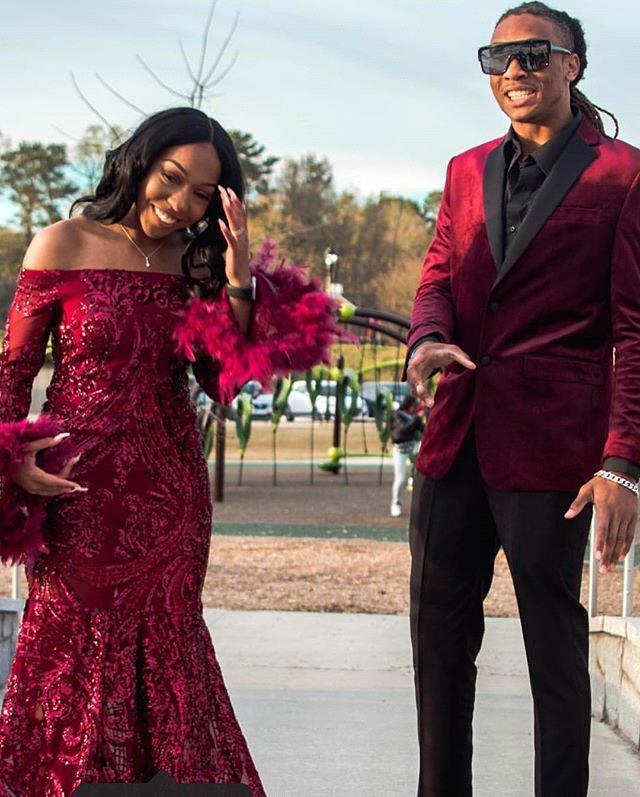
(261,403)
(300,401)
(370,388)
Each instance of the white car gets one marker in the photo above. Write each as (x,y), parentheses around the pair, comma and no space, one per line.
(261,403)
(299,402)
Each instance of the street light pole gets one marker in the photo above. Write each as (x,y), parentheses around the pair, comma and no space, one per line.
(334,289)
(337,418)
(331,262)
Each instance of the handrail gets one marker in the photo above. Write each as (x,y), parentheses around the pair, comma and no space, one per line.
(629,569)
(15,582)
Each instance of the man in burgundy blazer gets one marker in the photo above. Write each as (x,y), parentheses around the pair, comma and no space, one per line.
(533,277)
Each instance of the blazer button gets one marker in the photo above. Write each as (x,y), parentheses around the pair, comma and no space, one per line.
(485,360)
(494,307)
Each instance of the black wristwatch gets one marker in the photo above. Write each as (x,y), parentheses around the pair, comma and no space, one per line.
(620,465)
(248,293)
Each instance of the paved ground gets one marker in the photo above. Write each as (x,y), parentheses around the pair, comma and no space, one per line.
(326,703)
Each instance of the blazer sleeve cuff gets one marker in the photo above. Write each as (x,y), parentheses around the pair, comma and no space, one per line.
(621,465)
(433,336)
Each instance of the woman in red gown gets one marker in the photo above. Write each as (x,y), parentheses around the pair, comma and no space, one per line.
(114,676)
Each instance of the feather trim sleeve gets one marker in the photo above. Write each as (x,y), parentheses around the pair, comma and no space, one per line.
(22,515)
(29,323)
(293,326)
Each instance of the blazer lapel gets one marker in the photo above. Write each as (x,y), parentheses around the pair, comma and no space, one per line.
(574,159)
(493,178)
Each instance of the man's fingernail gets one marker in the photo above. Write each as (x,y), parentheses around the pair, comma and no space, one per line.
(62,435)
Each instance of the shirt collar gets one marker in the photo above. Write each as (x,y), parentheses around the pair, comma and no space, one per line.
(546,155)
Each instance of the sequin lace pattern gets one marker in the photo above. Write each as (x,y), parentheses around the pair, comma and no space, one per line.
(115,676)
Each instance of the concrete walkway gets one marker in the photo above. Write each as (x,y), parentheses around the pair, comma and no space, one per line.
(326,702)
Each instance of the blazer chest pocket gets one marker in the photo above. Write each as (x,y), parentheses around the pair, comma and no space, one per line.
(572,213)
(559,369)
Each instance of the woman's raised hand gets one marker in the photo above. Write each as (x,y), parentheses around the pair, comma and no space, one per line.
(39,482)
(236,236)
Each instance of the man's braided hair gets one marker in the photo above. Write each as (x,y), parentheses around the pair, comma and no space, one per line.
(574,40)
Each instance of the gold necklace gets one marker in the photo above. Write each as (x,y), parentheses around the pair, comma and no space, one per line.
(148,257)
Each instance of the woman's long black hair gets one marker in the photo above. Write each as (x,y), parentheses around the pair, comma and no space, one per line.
(575,41)
(128,164)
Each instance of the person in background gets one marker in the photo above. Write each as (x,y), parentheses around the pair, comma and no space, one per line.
(406,431)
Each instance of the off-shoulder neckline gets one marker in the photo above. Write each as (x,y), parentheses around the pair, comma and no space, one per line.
(101,270)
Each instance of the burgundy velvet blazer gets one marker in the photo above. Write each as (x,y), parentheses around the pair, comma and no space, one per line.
(540,324)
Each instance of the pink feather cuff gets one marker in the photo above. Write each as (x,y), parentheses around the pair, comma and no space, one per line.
(22,515)
(293,326)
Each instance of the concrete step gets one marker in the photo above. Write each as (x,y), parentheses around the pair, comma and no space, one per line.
(326,702)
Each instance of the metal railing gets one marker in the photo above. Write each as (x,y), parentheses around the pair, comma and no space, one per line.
(629,569)
(629,572)
(15,582)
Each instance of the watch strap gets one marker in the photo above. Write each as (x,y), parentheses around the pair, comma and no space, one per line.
(247,292)
(622,466)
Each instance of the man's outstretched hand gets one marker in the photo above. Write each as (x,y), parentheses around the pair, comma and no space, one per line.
(432,356)
(616,510)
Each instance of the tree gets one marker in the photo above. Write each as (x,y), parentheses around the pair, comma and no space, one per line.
(306,191)
(11,252)
(405,240)
(88,154)
(257,166)
(430,208)
(380,242)
(33,175)
(304,201)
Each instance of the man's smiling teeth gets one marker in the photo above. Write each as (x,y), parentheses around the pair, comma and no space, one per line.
(167,218)
(516,95)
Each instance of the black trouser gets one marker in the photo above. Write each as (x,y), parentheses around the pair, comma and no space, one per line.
(458,524)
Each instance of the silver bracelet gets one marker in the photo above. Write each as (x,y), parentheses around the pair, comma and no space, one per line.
(613,477)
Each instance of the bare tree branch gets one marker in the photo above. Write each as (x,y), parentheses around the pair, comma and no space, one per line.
(118,95)
(186,63)
(222,49)
(223,74)
(103,119)
(205,38)
(65,134)
(199,89)
(160,82)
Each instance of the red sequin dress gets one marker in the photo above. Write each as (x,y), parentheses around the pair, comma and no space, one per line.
(115,677)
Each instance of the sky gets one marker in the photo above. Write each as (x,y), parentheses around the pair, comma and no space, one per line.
(387,90)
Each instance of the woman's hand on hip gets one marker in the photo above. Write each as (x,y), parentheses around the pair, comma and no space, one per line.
(37,481)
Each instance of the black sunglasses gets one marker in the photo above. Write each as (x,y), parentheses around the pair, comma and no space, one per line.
(531,54)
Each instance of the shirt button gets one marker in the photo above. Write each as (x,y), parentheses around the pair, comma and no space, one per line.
(512,228)
(494,307)
(485,360)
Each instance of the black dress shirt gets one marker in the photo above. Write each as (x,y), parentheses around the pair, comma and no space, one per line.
(525,174)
